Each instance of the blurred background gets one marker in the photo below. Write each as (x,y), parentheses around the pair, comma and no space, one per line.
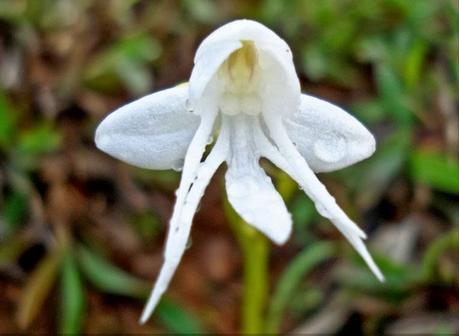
(81,234)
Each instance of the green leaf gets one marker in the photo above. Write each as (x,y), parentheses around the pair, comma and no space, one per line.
(398,278)
(449,240)
(303,212)
(14,211)
(126,61)
(435,170)
(372,176)
(166,179)
(291,278)
(393,95)
(109,278)
(113,280)
(146,224)
(73,300)
(12,10)
(176,319)
(135,76)
(7,121)
(414,63)
(37,288)
(369,112)
(315,62)
(204,11)
(39,140)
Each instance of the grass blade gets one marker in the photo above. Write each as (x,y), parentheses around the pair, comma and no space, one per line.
(291,278)
(109,278)
(73,299)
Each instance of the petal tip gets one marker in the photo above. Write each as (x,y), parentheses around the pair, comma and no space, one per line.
(379,275)
(280,241)
(371,144)
(282,234)
(101,139)
(144,318)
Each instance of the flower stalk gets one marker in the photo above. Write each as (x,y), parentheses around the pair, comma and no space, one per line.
(255,250)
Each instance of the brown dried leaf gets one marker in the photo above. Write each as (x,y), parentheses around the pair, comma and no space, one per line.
(37,288)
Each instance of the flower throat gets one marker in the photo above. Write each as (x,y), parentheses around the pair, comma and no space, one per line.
(240,75)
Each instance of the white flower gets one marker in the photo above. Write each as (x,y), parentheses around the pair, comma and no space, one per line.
(243,83)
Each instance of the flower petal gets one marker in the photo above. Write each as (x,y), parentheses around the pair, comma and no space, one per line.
(152,132)
(324,202)
(243,30)
(280,80)
(180,224)
(328,137)
(206,67)
(280,91)
(250,191)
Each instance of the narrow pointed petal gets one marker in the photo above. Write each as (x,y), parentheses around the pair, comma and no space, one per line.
(152,132)
(328,137)
(180,225)
(324,202)
(250,191)
(193,158)
(361,249)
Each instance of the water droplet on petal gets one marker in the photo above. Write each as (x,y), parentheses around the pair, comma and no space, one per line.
(178,165)
(330,148)
(188,106)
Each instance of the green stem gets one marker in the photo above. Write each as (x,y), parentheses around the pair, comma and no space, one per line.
(255,250)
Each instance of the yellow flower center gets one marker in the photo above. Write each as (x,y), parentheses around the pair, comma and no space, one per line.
(241,74)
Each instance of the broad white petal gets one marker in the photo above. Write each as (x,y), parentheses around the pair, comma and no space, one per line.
(250,191)
(328,137)
(152,132)
(324,202)
(180,225)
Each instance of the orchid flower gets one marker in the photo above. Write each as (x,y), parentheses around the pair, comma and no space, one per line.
(244,88)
